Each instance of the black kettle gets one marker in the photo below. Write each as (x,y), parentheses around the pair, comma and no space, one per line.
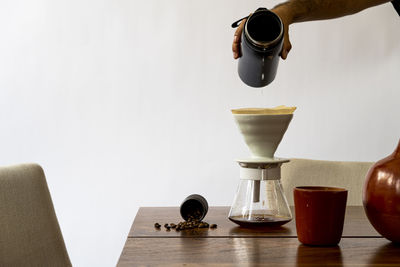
(261,44)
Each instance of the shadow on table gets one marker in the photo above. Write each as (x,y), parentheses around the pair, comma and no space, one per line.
(386,254)
(307,255)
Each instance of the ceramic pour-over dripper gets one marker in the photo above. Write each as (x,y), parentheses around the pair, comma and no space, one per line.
(263,132)
(259,199)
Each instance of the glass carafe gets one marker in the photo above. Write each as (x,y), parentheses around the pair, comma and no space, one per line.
(259,200)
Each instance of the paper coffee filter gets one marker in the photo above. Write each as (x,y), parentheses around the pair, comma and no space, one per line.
(279,110)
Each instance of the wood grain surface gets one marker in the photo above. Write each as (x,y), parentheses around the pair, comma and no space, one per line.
(230,245)
(356,225)
(256,252)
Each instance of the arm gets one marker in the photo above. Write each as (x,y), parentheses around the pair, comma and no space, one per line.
(307,10)
(294,11)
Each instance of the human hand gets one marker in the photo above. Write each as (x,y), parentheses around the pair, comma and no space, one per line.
(285,15)
(236,40)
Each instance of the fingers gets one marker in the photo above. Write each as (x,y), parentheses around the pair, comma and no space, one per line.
(284,12)
(236,40)
(287,46)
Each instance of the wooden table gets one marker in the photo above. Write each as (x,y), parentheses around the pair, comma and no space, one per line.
(231,245)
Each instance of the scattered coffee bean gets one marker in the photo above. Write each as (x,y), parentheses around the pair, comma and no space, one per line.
(193,222)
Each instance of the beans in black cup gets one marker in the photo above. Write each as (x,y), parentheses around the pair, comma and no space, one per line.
(193,210)
(194,207)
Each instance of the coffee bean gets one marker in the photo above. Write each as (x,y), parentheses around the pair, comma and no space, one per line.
(190,223)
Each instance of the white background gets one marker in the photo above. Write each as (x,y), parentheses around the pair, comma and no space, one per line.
(127,103)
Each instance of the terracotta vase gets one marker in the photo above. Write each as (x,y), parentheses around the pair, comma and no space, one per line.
(381,196)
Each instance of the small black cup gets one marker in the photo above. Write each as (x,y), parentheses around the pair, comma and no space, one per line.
(195,206)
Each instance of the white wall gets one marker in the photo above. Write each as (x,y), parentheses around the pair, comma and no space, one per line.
(127,103)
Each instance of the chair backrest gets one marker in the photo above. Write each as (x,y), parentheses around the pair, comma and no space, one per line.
(29,230)
(304,172)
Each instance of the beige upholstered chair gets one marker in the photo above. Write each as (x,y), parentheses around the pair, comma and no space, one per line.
(29,230)
(303,172)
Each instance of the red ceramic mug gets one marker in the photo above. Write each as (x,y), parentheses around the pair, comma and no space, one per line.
(319,214)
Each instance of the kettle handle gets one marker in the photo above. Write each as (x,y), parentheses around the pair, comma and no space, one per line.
(237,23)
